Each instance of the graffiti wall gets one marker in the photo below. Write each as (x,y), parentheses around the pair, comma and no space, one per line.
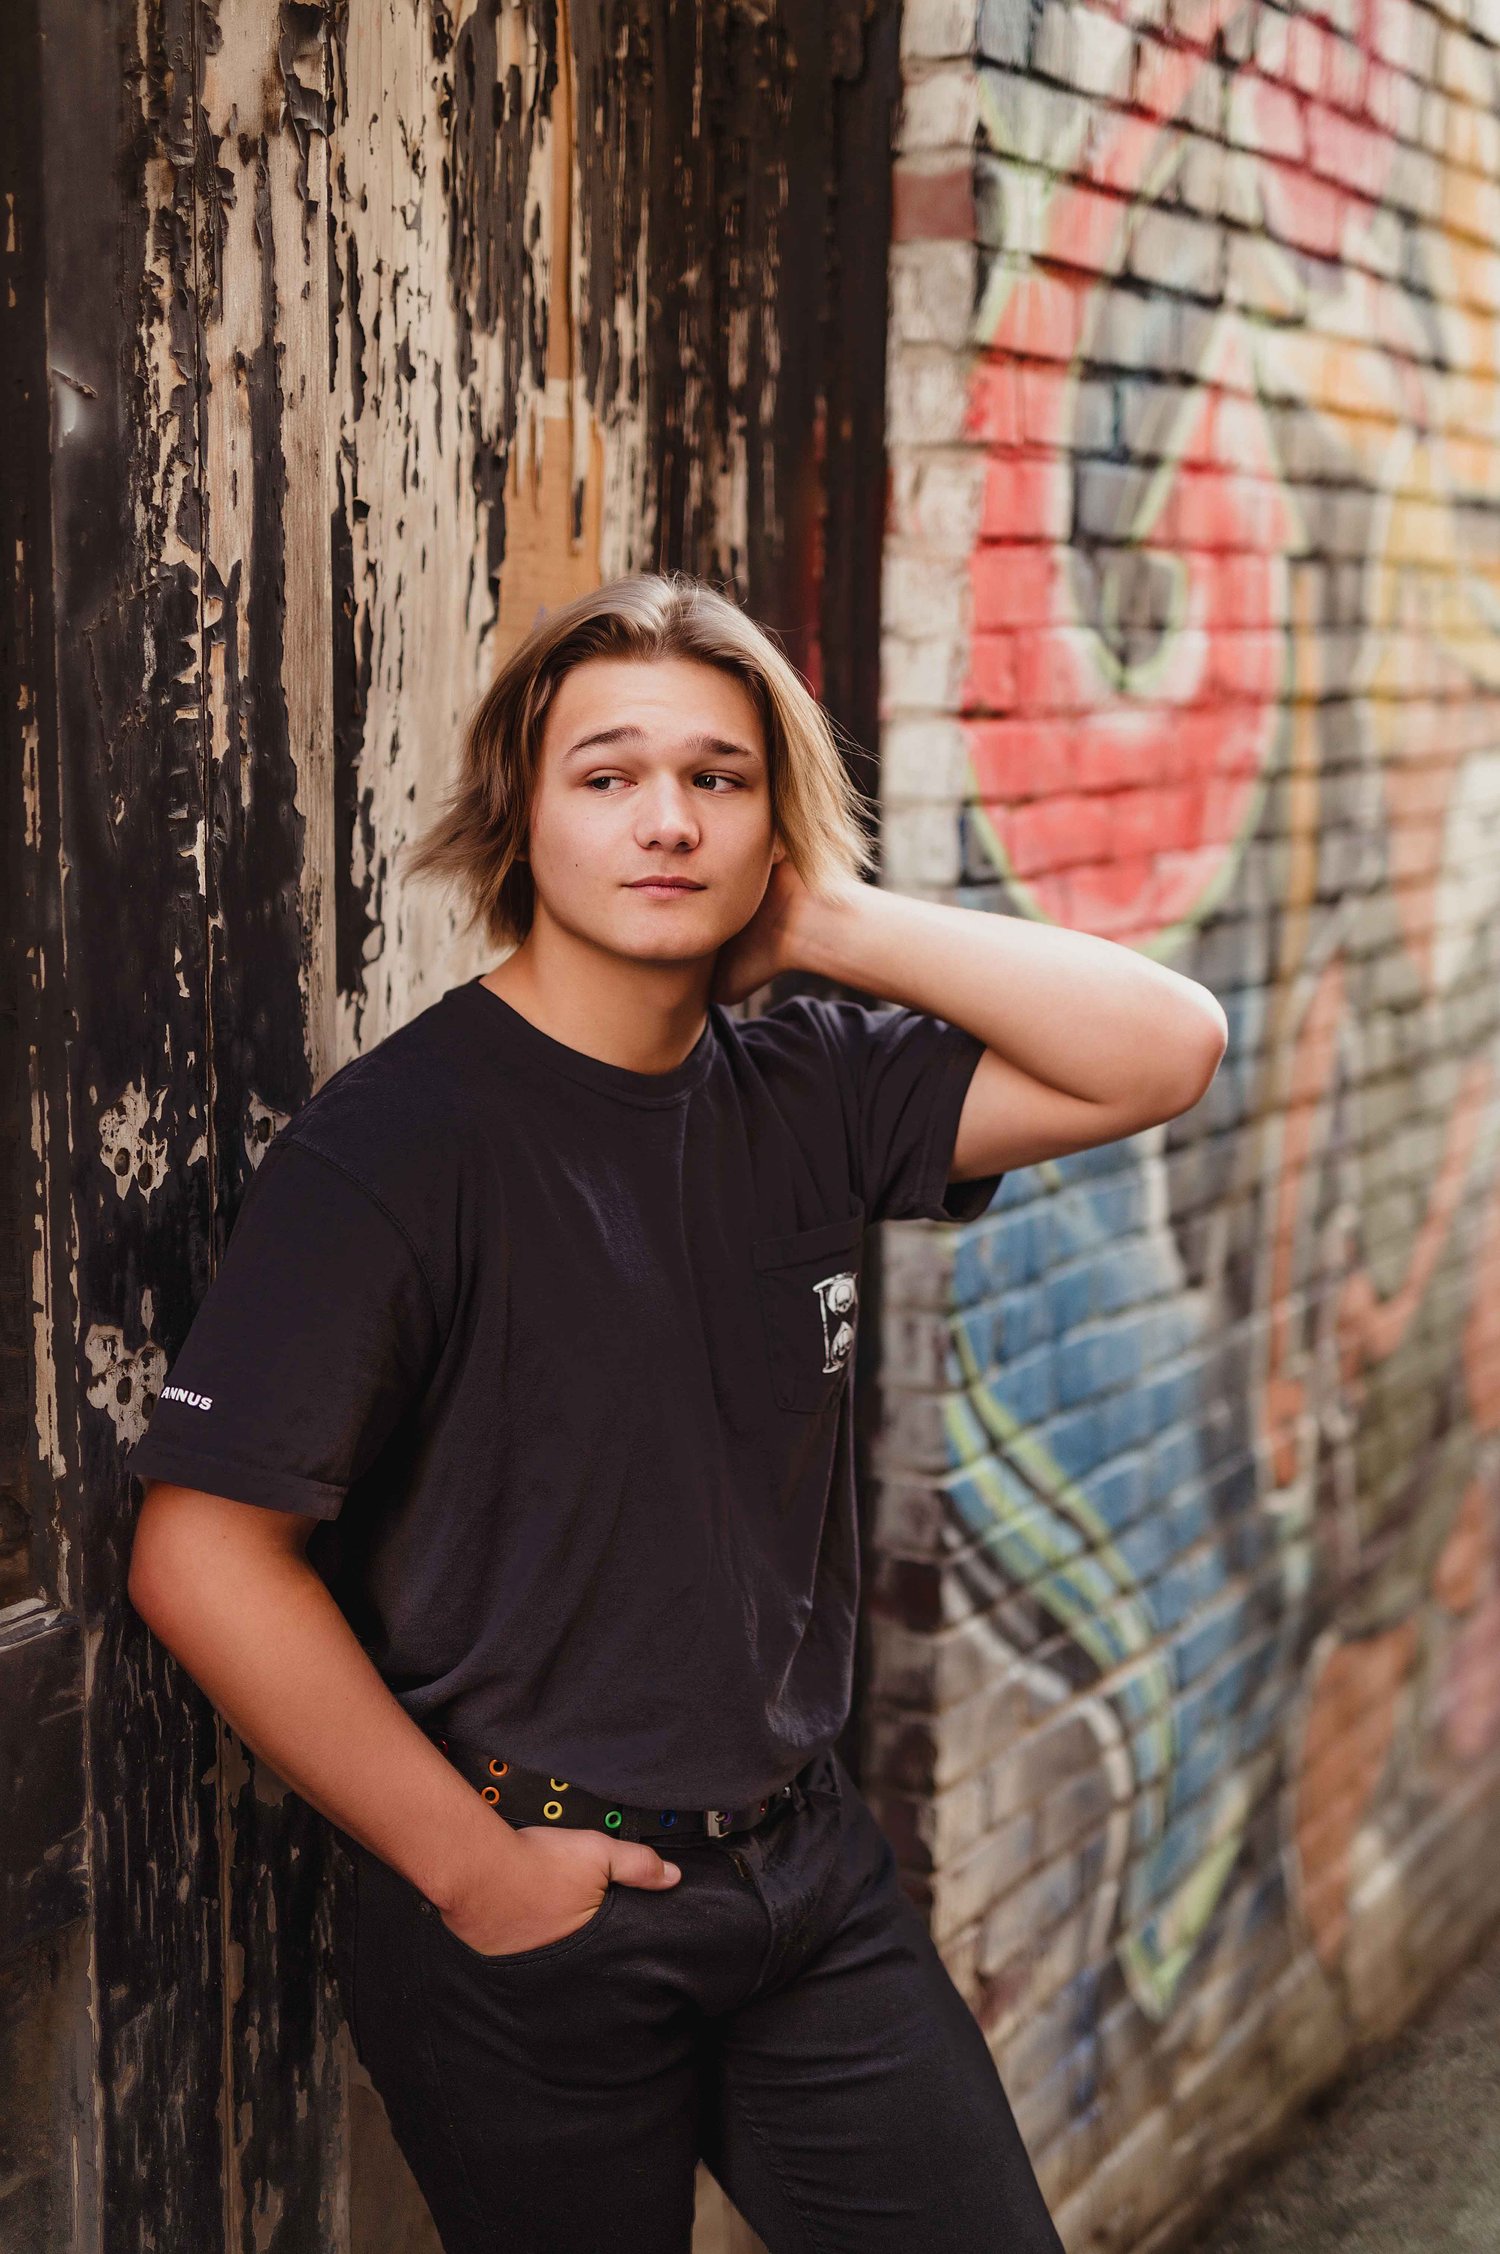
(1186,1681)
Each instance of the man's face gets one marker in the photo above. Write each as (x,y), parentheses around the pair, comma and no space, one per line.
(652,770)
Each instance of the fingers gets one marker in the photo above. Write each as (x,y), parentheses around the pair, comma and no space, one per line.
(635,1864)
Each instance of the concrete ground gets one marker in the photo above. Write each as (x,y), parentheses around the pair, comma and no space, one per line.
(1405,2159)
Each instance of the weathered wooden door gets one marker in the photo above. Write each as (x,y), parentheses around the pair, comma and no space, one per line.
(342,340)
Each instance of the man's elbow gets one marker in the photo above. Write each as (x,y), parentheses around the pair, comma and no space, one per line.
(1198,1053)
(187,1539)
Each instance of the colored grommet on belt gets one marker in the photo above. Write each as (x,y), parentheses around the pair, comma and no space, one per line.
(669,1815)
(491,1793)
(552,1811)
(498,1767)
(556,1786)
(613,1820)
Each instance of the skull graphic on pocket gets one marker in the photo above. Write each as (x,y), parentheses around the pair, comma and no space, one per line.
(838,1302)
(809,1295)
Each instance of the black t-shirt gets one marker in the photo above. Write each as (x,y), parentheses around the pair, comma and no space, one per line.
(561,1353)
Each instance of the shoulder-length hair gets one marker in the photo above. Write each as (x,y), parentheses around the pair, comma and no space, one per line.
(478,841)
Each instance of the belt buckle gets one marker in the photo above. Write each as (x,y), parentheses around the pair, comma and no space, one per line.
(716,1821)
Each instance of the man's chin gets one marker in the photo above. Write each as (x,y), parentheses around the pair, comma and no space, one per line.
(679,946)
(698,920)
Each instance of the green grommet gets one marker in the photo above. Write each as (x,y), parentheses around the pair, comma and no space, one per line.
(613,1820)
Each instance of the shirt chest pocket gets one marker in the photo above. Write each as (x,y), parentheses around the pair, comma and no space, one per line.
(808,1287)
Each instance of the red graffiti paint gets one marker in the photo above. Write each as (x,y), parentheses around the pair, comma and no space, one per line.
(1115,788)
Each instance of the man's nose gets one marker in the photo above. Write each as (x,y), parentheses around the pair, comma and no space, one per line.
(666,813)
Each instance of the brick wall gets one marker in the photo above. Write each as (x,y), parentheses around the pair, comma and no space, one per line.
(1185,1700)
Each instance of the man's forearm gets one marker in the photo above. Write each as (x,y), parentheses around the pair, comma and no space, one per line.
(1088,1016)
(259,1632)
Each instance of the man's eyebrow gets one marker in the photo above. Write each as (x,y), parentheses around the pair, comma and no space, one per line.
(715,747)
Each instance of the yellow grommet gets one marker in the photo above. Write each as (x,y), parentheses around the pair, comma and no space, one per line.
(556,1786)
(552,1811)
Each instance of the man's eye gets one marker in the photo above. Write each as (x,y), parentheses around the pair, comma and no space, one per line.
(735,782)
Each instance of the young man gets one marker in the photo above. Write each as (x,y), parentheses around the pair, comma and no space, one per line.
(502,1497)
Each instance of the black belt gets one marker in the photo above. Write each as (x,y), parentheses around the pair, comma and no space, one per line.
(528,1796)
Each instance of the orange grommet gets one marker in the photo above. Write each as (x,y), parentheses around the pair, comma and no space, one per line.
(498,1768)
(491,1793)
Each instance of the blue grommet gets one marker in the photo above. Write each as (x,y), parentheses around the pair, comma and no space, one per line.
(669,1815)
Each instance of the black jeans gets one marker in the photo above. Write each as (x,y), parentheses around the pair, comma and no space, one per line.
(780,2012)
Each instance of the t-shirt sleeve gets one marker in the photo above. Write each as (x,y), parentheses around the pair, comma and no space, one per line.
(318,1331)
(910,1072)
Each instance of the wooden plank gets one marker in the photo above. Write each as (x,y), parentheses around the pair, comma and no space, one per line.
(43,1864)
(118,999)
(25,701)
(448,236)
(267,498)
(46,2153)
(48,2121)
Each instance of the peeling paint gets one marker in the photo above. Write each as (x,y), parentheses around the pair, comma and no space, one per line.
(134,1156)
(125,1379)
(442,228)
(263,1122)
(46,1417)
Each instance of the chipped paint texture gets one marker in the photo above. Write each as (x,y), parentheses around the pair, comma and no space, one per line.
(392,302)
(122,1382)
(446,224)
(131,1150)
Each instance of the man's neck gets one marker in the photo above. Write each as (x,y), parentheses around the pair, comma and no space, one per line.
(645,1017)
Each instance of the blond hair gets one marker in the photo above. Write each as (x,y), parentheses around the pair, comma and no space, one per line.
(478,841)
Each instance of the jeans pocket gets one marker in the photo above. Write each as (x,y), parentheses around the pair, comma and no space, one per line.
(544,1952)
